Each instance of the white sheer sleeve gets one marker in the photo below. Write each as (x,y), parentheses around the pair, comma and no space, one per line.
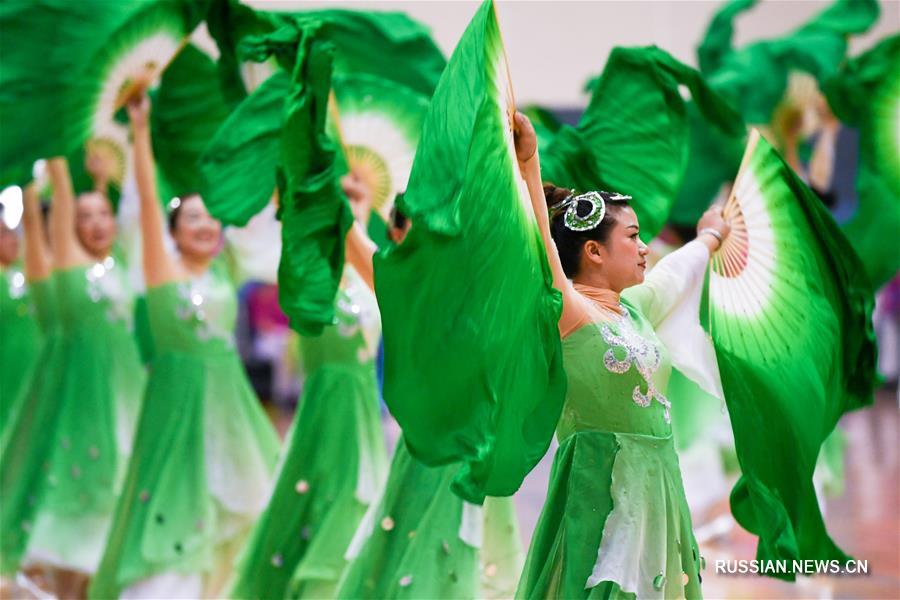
(670,299)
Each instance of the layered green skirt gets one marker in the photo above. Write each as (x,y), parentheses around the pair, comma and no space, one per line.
(332,470)
(423,541)
(615,524)
(200,474)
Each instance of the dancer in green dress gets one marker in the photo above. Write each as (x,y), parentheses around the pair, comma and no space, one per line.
(21,334)
(334,464)
(420,539)
(25,444)
(204,451)
(616,522)
(97,392)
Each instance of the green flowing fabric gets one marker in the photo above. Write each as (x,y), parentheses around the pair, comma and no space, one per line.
(755,79)
(866,94)
(716,44)
(633,135)
(405,54)
(789,309)
(314,213)
(408,66)
(238,167)
(468,310)
(388,45)
(188,109)
(229,21)
(34,82)
(713,158)
(756,76)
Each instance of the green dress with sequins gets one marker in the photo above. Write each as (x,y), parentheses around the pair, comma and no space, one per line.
(204,452)
(423,541)
(20,339)
(333,467)
(26,444)
(98,400)
(616,523)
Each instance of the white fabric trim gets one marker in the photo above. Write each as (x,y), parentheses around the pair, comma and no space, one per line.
(471,524)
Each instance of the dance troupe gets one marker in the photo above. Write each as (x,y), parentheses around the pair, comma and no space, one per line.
(482,267)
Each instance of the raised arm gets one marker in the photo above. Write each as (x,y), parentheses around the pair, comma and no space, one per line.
(574,310)
(38,260)
(159,267)
(67,251)
(360,249)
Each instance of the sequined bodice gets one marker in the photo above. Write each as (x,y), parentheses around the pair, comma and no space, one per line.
(353,339)
(617,372)
(198,314)
(94,295)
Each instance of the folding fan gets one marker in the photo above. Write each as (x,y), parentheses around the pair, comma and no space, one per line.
(378,124)
(131,58)
(478,336)
(789,312)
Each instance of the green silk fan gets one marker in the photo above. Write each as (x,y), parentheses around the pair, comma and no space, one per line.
(473,369)
(789,312)
(379,127)
(131,58)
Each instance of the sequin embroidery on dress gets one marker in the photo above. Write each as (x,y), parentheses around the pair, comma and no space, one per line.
(622,336)
(17,286)
(356,313)
(201,308)
(104,282)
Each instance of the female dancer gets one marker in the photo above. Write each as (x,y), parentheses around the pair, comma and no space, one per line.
(334,465)
(420,539)
(616,522)
(25,444)
(204,451)
(96,392)
(21,334)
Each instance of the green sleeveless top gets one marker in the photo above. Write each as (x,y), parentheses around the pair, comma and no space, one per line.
(96,295)
(617,374)
(196,316)
(351,340)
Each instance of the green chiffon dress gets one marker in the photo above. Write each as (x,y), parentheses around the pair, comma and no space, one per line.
(334,465)
(616,523)
(26,445)
(21,339)
(98,398)
(423,541)
(203,456)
